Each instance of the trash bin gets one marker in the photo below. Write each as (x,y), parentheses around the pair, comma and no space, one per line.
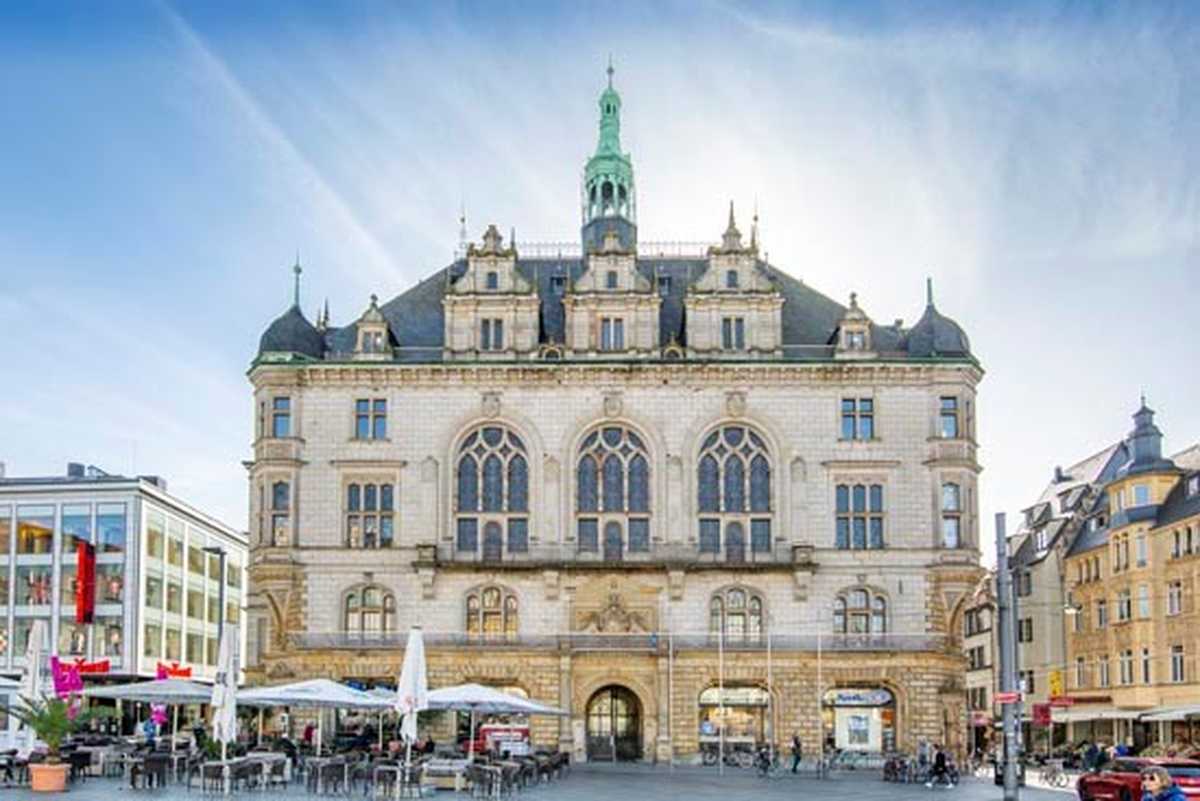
(998,773)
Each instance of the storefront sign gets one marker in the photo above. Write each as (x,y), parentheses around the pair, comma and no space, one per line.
(66,678)
(860,697)
(734,696)
(99,666)
(1041,714)
(172,671)
(1062,700)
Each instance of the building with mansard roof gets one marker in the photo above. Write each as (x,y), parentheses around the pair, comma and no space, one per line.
(680,494)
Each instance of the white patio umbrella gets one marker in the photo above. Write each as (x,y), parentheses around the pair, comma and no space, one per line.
(476,698)
(167,692)
(412,691)
(32,681)
(312,694)
(224,691)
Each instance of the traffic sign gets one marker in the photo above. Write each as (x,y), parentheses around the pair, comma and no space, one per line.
(1008,698)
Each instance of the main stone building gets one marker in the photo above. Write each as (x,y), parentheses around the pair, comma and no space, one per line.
(671,494)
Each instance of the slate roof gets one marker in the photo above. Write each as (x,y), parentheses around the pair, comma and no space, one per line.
(1178,504)
(416,318)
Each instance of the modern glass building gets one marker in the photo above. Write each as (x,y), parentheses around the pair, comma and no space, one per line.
(159,586)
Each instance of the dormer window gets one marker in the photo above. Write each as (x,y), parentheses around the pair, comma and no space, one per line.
(856,340)
(371,342)
(610,280)
(731,279)
(558,285)
(612,332)
(664,285)
(733,333)
(491,334)
(1193,486)
(493,280)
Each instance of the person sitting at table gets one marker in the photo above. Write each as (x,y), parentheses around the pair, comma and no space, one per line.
(428,746)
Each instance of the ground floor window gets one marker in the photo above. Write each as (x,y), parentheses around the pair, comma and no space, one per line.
(860,719)
(741,713)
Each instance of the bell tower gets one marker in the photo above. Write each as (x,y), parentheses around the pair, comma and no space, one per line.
(609,202)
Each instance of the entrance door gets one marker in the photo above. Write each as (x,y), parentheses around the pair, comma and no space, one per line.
(614,725)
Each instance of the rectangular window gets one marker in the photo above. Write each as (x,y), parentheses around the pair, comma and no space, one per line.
(154,593)
(34,586)
(733,333)
(859,516)
(1175,598)
(195,648)
(1027,682)
(152,641)
(1177,663)
(518,535)
(1025,630)
(1142,555)
(468,534)
(5,531)
(110,583)
(155,535)
(493,280)
(612,333)
(1080,672)
(1141,494)
(558,285)
(1146,674)
(1144,601)
(108,635)
(664,285)
(1193,486)
(589,536)
(1101,614)
(710,536)
(174,644)
(370,418)
(1080,617)
(639,535)
(1124,605)
(35,529)
(281,417)
(76,526)
(110,528)
(175,543)
(174,598)
(491,334)
(858,418)
(949,417)
(1126,665)
(195,558)
(1102,665)
(195,604)
(760,536)
(1177,544)
(370,515)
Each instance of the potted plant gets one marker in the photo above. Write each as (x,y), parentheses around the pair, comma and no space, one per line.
(52,719)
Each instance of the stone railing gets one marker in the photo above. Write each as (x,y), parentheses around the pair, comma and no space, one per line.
(658,555)
(650,642)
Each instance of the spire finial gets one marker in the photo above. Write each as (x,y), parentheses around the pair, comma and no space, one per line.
(731,222)
(754,227)
(297,269)
(610,70)
(929,291)
(854,300)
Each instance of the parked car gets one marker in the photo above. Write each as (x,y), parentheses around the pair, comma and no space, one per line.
(1121,779)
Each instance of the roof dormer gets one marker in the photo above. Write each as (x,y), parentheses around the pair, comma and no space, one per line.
(372,341)
(491,268)
(612,268)
(854,333)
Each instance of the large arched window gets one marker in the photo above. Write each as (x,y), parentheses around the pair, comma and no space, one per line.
(492,492)
(612,492)
(491,612)
(859,611)
(369,612)
(737,613)
(733,492)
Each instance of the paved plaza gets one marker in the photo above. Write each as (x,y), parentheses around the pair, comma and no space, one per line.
(631,783)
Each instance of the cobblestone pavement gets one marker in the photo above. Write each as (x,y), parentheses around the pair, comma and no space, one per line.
(622,783)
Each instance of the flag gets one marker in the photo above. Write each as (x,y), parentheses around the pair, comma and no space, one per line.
(85,582)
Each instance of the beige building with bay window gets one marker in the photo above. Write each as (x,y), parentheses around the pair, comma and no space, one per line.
(675,494)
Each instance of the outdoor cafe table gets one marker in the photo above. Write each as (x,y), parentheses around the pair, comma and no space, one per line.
(316,763)
(268,758)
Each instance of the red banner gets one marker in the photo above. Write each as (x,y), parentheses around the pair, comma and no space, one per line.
(1041,714)
(99,666)
(85,582)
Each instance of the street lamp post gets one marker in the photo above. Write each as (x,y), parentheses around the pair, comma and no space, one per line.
(219,552)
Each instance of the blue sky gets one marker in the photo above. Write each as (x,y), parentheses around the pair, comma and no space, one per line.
(161,164)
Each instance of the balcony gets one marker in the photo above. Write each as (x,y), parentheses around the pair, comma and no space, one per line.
(650,643)
(659,555)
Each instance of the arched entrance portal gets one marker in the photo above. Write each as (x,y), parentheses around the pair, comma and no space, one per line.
(614,725)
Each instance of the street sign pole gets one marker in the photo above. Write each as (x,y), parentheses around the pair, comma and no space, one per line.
(1008,660)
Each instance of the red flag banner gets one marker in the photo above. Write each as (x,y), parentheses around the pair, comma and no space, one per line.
(1041,714)
(85,582)
(172,671)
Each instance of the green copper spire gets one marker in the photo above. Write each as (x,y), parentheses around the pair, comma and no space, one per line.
(608,177)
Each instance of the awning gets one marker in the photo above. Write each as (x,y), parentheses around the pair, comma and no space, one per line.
(160,691)
(1173,712)
(1061,715)
(311,694)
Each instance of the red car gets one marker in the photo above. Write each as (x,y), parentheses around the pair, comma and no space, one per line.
(1121,779)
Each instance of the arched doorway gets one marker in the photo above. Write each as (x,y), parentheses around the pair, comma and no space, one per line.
(614,725)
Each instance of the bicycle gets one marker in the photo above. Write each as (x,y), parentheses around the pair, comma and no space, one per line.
(767,764)
(1053,775)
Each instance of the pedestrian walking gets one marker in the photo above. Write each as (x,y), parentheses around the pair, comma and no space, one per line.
(796,751)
